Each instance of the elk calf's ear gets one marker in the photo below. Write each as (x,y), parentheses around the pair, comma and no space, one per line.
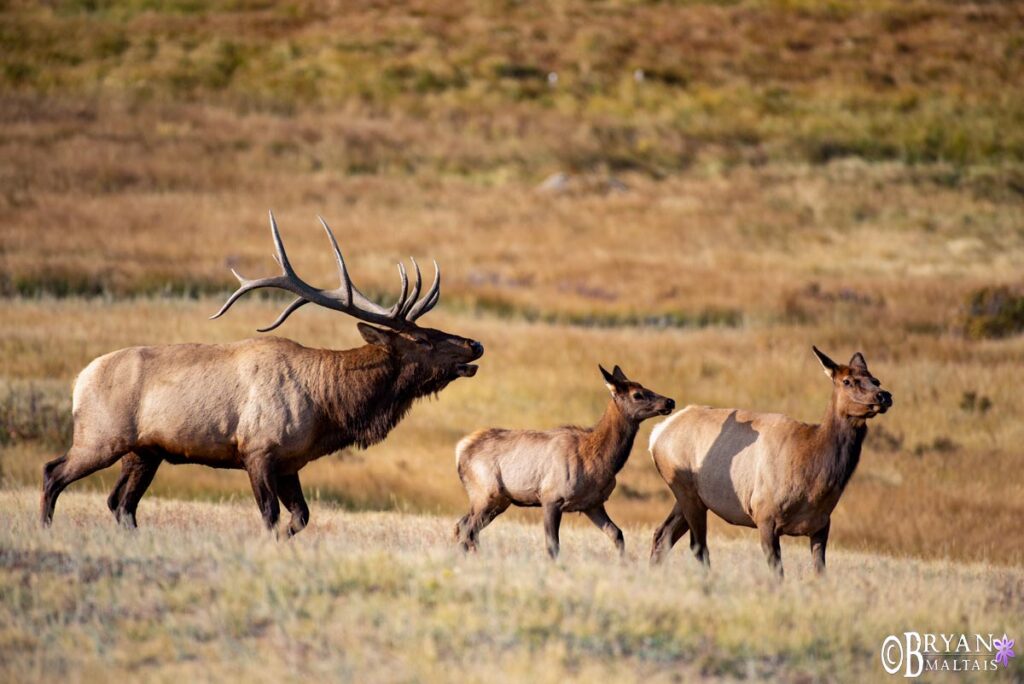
(609,379)
(828,364)
(374,335)
(619,375)
(858,362)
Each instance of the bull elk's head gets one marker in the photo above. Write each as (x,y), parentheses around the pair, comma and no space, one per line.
(857,392)
(446,356)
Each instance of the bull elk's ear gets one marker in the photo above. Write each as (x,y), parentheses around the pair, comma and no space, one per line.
(374,335)
(619,375)
(609,379)
(828,364)
(858,362)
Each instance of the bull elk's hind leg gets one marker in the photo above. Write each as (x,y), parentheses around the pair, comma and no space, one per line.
(137,472)
(77,463)
(289,490)
(666,536)
(599,516)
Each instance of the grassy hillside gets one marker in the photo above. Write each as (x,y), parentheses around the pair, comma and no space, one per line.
(745,179)
(201,592)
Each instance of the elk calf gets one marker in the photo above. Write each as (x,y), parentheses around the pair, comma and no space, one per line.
(568,469)
(765,470)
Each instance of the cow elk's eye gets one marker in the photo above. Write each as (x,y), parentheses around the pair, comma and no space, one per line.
(846,381)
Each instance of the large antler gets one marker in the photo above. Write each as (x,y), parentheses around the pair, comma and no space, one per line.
(346,298)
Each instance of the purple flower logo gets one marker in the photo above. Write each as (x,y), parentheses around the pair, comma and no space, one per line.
(1004,650)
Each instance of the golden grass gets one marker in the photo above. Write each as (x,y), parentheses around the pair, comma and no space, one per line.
(936,479)
(201,592)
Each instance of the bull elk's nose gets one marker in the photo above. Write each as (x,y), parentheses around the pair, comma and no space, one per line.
(477,348)
(671,404)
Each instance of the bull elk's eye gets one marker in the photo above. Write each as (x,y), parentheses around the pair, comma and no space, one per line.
(637,396)
(424,342)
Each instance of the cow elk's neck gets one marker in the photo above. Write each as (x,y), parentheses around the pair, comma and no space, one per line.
(611,440)
(840,437)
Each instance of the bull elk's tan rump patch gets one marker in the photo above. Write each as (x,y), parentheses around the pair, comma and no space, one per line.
(267,405)
(765,470)
(567,469)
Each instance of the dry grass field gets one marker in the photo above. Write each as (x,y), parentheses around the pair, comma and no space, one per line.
(200,592)
(743,180)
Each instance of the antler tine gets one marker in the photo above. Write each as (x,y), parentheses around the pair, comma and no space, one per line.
(398,306)
(346,298)
(282,256)
(415,294)
(430,299)
(296,304)
(346,281)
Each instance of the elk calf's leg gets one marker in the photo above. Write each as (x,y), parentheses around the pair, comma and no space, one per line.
(819,540)
(599,516)
(289,490)
(552,521)
(771,547)
(666,536)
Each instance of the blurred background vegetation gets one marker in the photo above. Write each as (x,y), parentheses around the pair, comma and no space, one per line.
(696,190)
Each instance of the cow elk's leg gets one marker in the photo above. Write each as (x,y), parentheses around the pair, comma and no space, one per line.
(697,518)
(74,465)
(819,540)
(771,547)
(552,521)
(289,490)
(264,488)
(599,516)
(666,536)
(137,471)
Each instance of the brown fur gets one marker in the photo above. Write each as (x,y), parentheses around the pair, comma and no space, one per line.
(567,469)
(765,470)
(267,405)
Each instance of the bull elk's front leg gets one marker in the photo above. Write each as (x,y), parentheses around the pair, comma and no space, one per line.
(289,490)
(264,488)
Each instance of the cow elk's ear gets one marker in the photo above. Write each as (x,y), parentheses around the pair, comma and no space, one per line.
(374,335)
(609,379)
(858,362)
(828,364)
(619,375)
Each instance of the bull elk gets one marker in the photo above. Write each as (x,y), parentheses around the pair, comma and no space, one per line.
(265,405)
(765,470)
(568,469)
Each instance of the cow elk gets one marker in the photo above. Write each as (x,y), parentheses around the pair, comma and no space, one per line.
(765,470)
(264,405)
(567,469)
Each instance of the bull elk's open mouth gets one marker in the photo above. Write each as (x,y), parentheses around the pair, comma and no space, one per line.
(466,370)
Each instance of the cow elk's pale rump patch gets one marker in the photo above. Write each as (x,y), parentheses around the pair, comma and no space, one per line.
(266,405)
(765,470)
(567,469)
